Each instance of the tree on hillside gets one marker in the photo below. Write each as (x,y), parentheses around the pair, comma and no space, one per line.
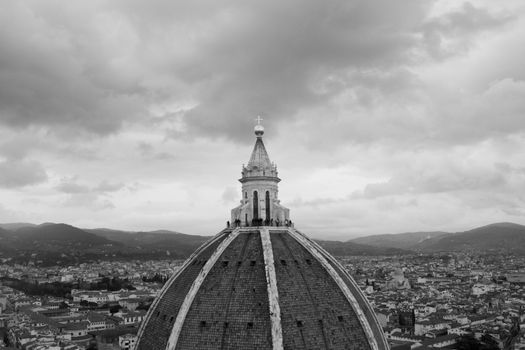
(6,340)
(469,342)
(489,342)
(113,309)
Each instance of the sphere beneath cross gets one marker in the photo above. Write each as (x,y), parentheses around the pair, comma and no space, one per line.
(259,130)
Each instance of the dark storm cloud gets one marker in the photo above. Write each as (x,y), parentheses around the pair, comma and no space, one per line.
(433,183)
(19,173)
(277,59)
(50,69)
(18,147)
(236,60)
(71,186)
(106,186)
(449,177)
(497,111)
(78,194)
(148,151)
(452,32)
(94,66)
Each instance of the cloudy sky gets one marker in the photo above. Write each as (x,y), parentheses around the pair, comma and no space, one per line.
(382,116)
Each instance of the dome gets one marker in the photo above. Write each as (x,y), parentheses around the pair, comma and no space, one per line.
(261,288)
(260,284)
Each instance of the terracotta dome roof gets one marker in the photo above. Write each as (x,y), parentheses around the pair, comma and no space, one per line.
(261,288)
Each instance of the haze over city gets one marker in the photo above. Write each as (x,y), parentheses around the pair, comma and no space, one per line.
(382,117)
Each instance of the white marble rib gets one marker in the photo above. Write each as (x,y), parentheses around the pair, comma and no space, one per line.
(186,304)
(342,285)
(273,294)
(168,283)
(354,284)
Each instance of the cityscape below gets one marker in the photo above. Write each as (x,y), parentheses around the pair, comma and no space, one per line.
(424,298)
(260,283)
(140,208)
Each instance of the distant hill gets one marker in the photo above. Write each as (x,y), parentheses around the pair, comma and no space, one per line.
(66,243)
(495,237)
(5,239)
(60,234)
(53,244)
(4,236)
(142,237)
(16,225)
(61,243)
(350,248)
(409,240)
(177,244)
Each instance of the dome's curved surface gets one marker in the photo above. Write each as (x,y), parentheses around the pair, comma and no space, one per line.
(261,285)
(261,288)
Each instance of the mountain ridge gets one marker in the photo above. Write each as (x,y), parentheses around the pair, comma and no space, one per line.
(504,236)
(15,225)
(65,242)
(62,242)
(398,240)
(59,232)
